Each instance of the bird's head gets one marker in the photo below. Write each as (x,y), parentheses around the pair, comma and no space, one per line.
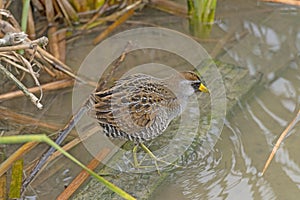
(195,81)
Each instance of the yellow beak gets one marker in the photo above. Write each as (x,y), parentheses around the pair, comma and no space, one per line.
(202,88)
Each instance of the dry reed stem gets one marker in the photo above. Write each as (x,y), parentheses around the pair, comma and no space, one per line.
(27,45)
(63,9)
(49,11)
(280,139)
(3,187)
(170,7)
(31,72)
(37,4)
(53,42)
(24,119)
(55,85)
(68,11)
(112,27)
(289,2)
(103,82)
(57,64)
(16,155)
(28,63)
(13,23)
(66,147)
(100,11)
(9,59)
(61,37)
(30,25)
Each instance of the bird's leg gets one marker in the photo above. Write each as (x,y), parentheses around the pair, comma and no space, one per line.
(152,156)
(134,151)
(137,163)
(149,152)
(135,160)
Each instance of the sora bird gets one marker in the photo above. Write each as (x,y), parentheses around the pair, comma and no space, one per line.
(140,107)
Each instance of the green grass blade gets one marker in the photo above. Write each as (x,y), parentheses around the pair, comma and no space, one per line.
(44,138)
(25,15)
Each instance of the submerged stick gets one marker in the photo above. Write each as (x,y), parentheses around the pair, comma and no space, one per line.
(66,147)
(80,178)
(61,136)
(60,84)
(5,165)
(282,136)
(44,138)
(21,119)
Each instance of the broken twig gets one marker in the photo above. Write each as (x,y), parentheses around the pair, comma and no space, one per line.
(27,45)
(280,139)
(20,85)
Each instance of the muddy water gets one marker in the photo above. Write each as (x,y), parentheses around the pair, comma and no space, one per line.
(262,37)
(268,41)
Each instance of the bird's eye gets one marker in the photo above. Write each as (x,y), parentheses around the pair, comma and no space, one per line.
(196,85)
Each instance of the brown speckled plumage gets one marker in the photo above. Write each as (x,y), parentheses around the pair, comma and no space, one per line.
(140,107)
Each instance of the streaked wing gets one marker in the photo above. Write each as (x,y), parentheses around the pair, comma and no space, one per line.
(136,105)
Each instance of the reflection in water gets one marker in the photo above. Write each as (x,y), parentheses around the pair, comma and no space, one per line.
(232,170)
(283,87)
(279,120)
